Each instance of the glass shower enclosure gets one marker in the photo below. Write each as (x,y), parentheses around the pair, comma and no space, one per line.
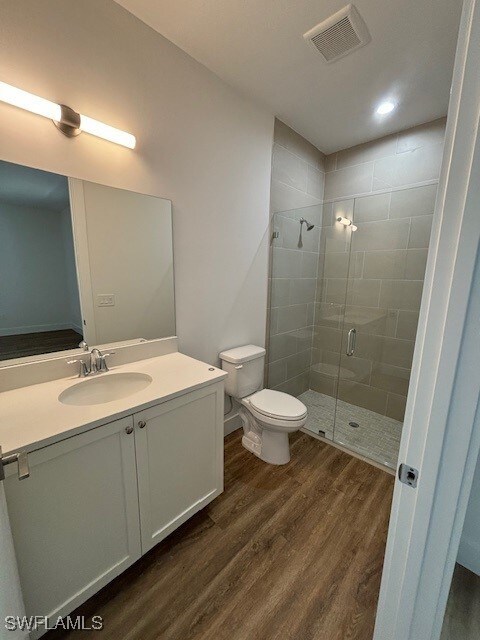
(345,291)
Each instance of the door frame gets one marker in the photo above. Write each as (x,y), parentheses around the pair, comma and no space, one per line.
(441,435)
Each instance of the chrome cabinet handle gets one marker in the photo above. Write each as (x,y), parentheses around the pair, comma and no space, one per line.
(351,341)
(20,458)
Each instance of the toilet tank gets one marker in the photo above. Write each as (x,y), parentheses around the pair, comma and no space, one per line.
(245,367)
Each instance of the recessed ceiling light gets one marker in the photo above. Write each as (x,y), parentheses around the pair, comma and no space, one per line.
(385,107)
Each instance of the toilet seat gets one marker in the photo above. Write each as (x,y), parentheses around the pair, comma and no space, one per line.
(277,405)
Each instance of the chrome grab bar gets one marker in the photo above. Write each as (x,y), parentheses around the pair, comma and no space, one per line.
(351,341)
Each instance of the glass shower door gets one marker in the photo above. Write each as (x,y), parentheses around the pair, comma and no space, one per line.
(343,314)
(332,283)
(386,269)
(294,344)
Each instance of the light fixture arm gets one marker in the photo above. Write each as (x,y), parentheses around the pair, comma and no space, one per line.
(69,123)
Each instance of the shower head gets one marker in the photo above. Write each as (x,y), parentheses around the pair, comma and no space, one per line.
(309,224)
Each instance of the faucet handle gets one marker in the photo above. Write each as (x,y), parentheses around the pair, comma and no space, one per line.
(84,370)
(83,345)
(103,363)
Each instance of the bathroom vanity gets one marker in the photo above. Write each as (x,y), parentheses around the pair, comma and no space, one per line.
(108,479)
(103,452)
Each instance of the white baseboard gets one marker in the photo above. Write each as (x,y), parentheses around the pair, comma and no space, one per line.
(231,424)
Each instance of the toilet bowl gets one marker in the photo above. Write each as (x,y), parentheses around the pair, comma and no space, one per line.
(268,416)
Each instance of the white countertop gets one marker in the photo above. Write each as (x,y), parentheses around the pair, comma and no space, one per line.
(33,417)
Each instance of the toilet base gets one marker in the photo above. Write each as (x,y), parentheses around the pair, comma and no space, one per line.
(272,447)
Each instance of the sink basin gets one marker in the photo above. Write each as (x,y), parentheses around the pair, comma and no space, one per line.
(105,388)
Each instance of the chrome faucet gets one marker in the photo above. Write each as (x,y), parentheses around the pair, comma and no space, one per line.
(97,364)
(97,361)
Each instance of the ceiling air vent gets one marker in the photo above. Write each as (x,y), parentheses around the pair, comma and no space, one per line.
(340,34)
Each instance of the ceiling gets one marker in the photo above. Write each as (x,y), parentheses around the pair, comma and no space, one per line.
(28,187)
(257,47)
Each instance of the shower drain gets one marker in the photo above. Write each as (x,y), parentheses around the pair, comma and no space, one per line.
(355,425)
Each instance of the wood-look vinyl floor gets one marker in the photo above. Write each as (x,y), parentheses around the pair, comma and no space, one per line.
(31,344)
(285,553)
(462,617)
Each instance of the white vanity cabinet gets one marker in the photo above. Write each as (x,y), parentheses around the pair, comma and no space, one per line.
(95,502)
(75,519)
(179,447)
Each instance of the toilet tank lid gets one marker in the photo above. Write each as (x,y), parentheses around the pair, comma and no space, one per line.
(242,354)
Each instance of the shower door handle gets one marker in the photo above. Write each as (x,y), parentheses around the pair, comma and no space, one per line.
(351,341)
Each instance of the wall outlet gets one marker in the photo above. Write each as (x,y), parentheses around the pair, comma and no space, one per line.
(105,300)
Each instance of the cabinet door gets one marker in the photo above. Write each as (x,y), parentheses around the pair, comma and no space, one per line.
(75,519)
(179,447)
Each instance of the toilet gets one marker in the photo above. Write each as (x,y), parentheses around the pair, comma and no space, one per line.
(268,416)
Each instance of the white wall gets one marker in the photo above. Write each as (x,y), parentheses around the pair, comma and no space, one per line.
(34,284)
(200,144)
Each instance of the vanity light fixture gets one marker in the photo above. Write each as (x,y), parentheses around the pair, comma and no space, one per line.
(347,223)
(68,121)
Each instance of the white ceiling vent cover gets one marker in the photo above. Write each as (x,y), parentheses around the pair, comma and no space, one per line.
(340,34)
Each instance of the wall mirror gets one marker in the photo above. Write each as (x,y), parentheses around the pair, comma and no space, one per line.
(80,261)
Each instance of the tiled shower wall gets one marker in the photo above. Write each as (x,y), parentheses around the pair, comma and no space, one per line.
(377,288)
(297,182)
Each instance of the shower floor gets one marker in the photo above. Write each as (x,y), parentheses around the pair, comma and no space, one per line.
(377,437)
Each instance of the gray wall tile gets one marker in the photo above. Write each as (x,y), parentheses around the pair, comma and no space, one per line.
(280,292)
(419,165)
(293,141)
(297,191)
(408,203)
(420,231)
(363,395)
(363,293)
(390,378)
(423,135)
(277,372)
(366,152)
(369,208)
(401,294)
(381,235)
(290,318)
(298,363)
(289,168)
(385,264)
(396,407)
(407,324)
(349,181)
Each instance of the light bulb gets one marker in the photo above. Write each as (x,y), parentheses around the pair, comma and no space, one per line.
(385,107)
(29,102)
(105,131)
